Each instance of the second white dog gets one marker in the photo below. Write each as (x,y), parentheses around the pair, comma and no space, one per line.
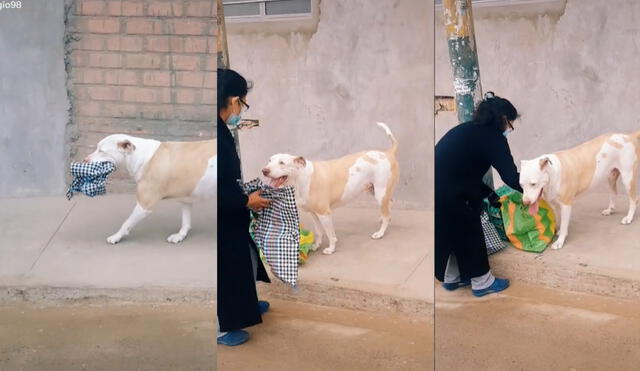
(323,185)
(560,177)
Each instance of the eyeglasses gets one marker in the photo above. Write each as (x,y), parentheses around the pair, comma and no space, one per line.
(246,106)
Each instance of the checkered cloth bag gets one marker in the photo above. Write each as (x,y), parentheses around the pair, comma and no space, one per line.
(277,229)
(90,178)
(491,237)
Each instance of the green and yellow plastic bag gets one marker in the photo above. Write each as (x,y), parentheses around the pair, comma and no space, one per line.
(306,244)
(527,232)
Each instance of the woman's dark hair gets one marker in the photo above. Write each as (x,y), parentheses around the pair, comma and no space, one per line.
(493,111)
(230,84)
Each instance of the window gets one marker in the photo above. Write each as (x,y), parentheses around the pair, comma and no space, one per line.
(257,9)
(499,2)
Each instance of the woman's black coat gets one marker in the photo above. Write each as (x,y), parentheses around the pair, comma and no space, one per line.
(462,157)
(237,297)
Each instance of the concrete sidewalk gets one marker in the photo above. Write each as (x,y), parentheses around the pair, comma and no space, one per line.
(55,243)
(54,249)
(393,274)
(600,256)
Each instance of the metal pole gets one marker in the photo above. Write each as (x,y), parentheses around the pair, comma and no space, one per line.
(458,21)
(223,62)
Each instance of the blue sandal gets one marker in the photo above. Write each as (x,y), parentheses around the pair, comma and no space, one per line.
(233,338)
(263,306)
(451,286)
(498,285)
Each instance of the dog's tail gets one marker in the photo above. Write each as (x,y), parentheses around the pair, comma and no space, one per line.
(394,142)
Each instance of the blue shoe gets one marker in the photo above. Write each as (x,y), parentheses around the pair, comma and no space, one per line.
(455,285)
(233,338)
(498,285)
(263,306)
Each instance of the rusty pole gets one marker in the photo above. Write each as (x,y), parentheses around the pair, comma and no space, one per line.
(463,54)
(223,61)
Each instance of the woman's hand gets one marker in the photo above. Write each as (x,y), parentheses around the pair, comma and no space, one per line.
(256,202)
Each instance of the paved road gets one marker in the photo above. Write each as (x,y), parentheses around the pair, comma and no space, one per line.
(532,328)
(297,337)
(123,338)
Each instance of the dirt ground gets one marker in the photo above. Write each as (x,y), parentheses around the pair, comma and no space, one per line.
(112,337)
(533,328)
(527,328)
(304,337)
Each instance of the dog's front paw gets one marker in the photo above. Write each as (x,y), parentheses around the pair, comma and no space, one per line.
(557,245)
(378,235)
(176,238)
(329,250)
(114,239)
(607,212)
(626,220)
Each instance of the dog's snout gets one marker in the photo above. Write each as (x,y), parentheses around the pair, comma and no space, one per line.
(266,171)
(525,202)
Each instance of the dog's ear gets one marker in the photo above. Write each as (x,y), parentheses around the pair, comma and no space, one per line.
(300,161)
(544,162)
(126,146)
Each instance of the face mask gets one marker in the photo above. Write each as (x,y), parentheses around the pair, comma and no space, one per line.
(234,120)
(507,132)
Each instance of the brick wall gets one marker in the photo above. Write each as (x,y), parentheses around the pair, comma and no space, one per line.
(141,67)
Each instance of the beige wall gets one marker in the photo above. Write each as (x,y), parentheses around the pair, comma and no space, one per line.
(320,89)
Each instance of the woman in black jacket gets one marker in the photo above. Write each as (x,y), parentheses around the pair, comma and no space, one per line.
(462,157)
(238,263)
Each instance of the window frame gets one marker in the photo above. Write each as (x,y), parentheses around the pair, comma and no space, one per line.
(488,3)
(263,16)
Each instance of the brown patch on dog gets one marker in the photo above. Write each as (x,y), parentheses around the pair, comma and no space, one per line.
(126,146)
(300,161)
(174,171)
(369,159)
(615,144)
(579,166)
(328,182)
(391,185)
(544,162)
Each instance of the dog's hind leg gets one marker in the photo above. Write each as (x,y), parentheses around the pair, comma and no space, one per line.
(186,224)
(383,191)
(136,216)
(613,180)
(327,223)
(629,182)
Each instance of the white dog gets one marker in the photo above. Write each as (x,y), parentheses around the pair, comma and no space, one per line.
(185,171)
(560,177)
(323,185)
